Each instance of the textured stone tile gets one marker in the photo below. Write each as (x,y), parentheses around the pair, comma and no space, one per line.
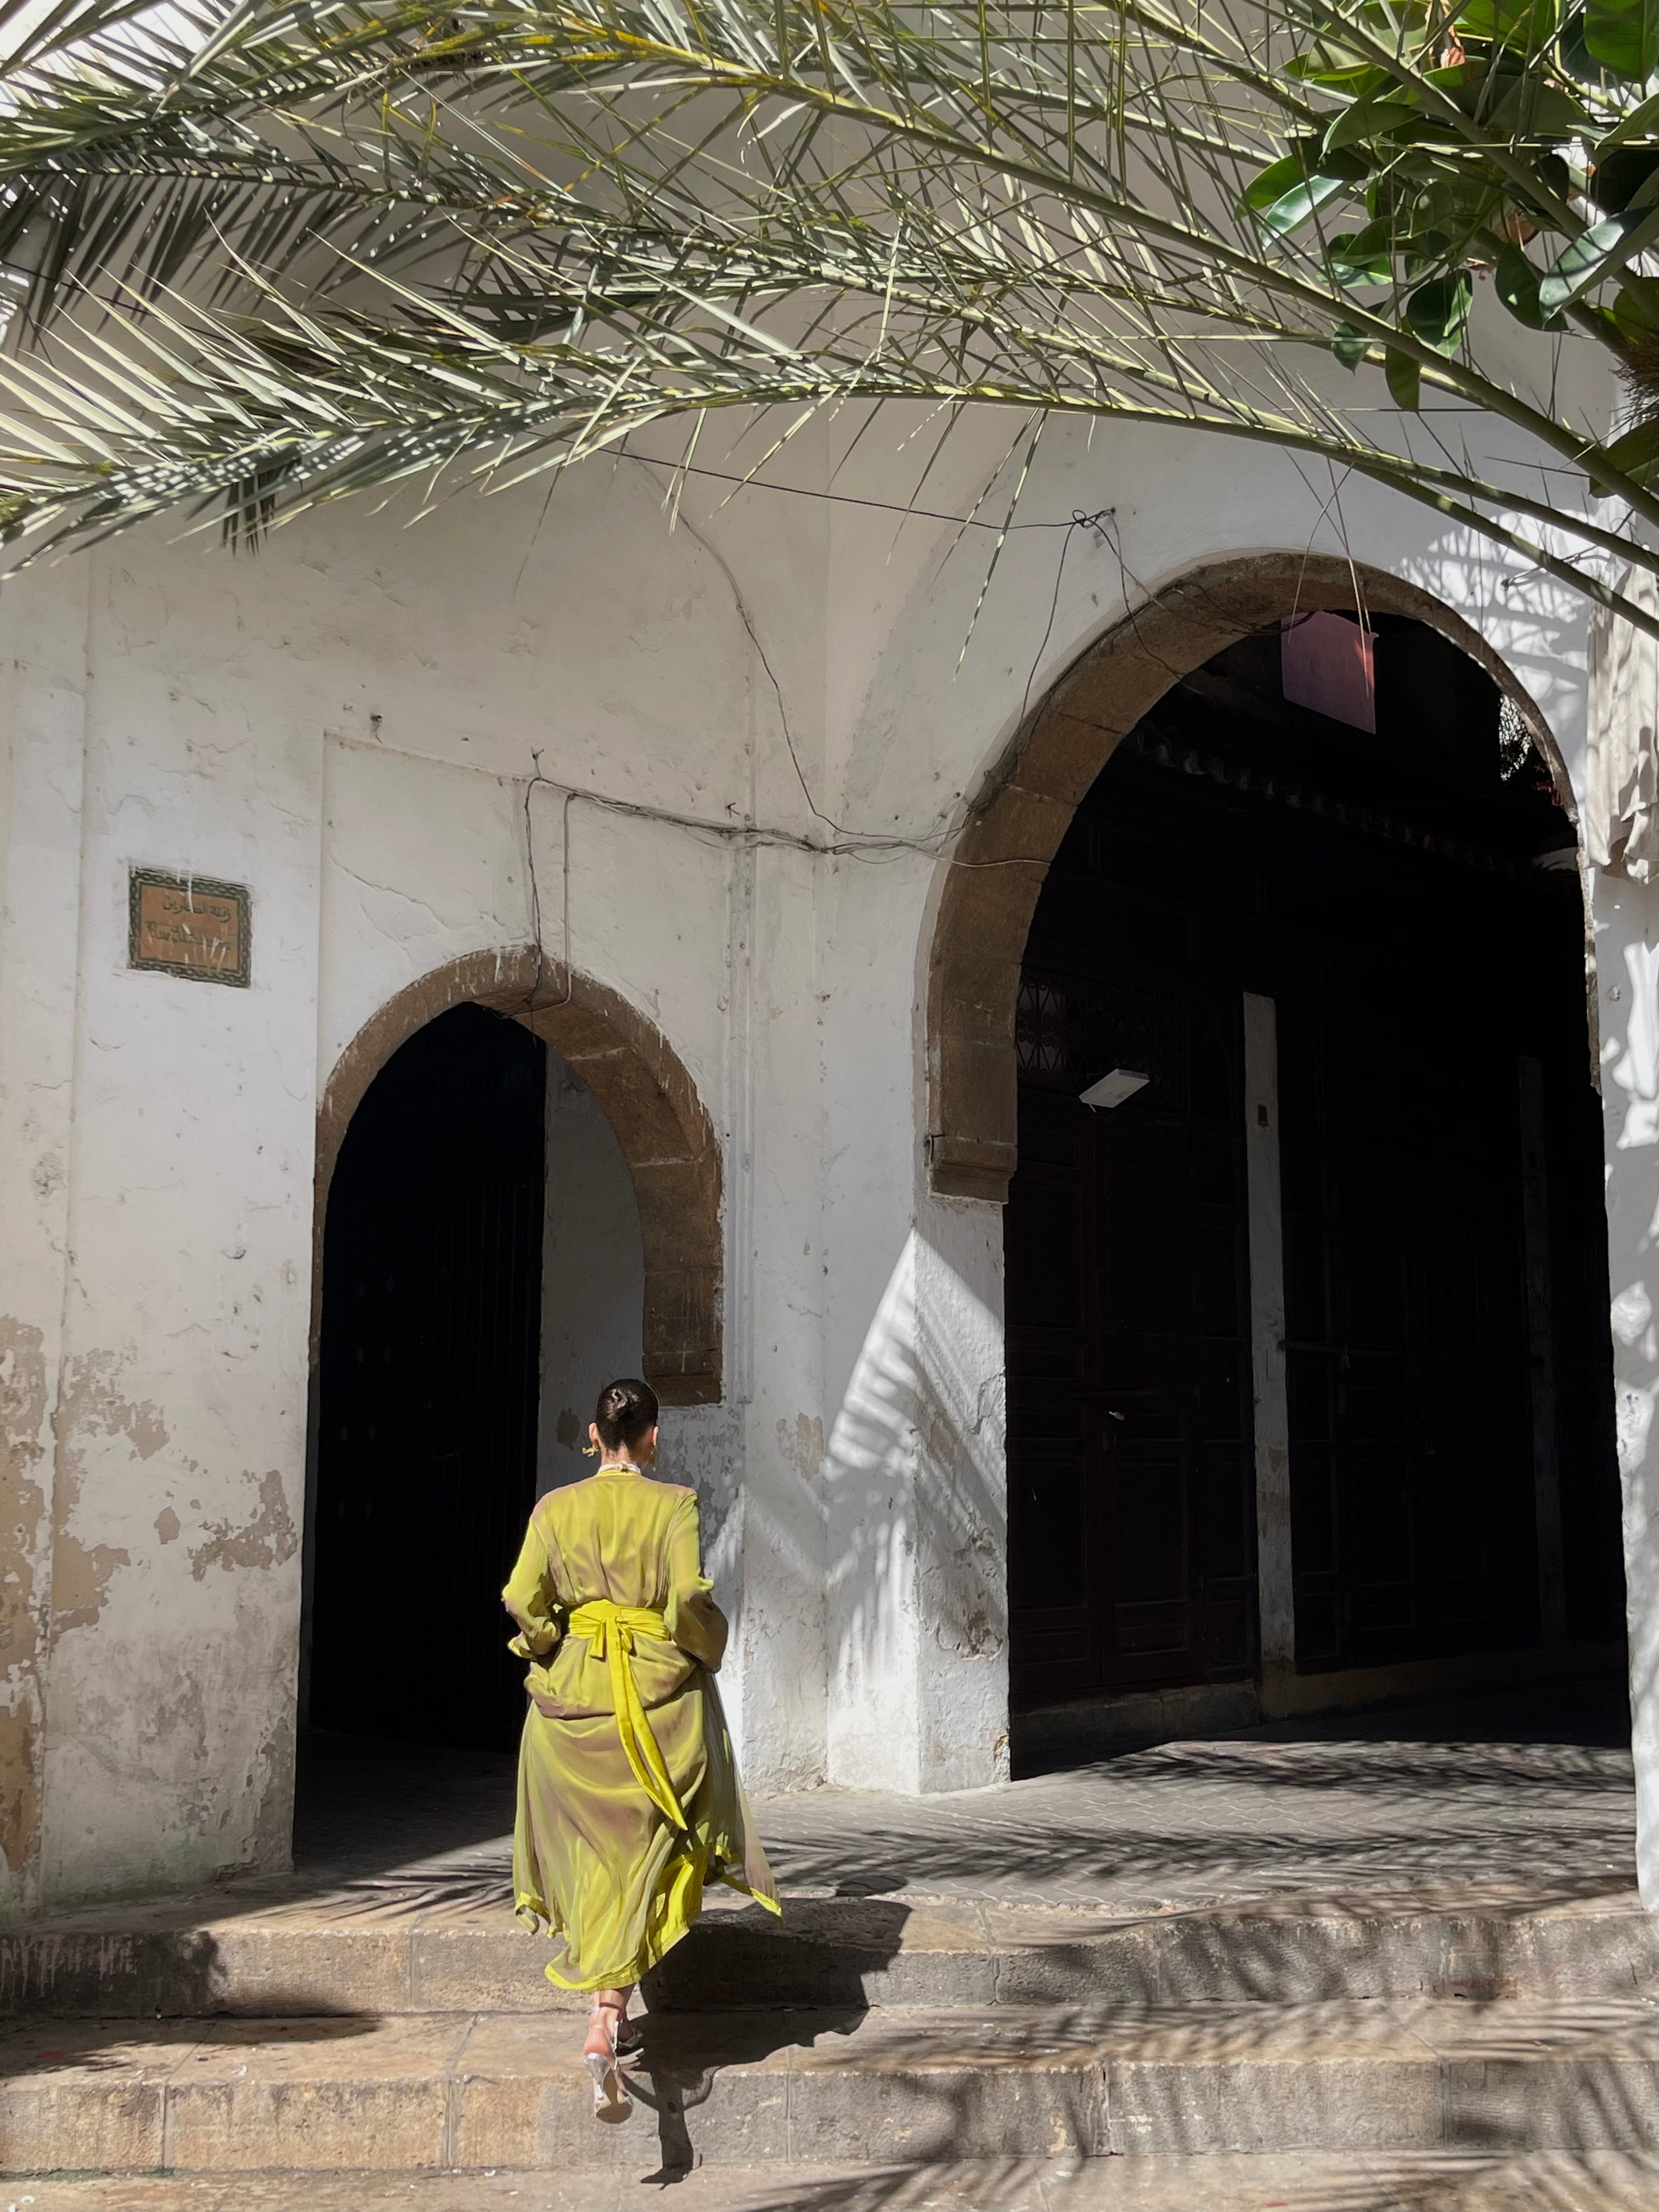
(954,2085)
(1346,2103)
(1249,2078)
(319,2093)
(716,2090)
(269,1970)
(503,2075)
(77,2095)
(831,1952)
(937,2113)
(1542,2077)
(51,1971)
(469,1968)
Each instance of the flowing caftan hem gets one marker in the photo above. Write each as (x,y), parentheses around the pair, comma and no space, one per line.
(721,1847)
(680,1902)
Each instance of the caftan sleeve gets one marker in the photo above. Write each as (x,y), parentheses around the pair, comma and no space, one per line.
(529,1597)
(694,1622)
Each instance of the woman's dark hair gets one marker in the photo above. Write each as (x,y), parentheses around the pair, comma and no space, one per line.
(625,1411)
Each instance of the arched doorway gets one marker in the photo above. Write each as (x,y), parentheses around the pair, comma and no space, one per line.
(518,1188)
(1307,1357)
(429,1386)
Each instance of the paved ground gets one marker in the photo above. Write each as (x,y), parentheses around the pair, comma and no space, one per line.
(1527,1791)
(1523,1799)
(1595,2182)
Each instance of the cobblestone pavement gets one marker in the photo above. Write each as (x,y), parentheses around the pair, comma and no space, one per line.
(1529,1791)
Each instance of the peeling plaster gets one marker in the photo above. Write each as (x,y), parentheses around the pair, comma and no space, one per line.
(270,1540)
(80,1573)
(94,1405)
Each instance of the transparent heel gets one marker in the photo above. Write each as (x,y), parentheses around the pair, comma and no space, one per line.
(612,2101)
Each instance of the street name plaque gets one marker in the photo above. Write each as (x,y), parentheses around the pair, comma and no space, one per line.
(188,925)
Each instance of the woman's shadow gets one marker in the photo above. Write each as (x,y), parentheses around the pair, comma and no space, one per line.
(745,1988)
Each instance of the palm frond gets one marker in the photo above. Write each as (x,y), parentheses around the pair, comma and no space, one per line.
(345,246)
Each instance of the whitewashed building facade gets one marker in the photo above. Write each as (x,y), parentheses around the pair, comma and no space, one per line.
(781,839)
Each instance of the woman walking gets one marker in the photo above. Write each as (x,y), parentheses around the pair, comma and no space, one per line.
(629,1797)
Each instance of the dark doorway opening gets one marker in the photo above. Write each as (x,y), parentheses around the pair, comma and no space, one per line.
(1409,903)
(427,1388)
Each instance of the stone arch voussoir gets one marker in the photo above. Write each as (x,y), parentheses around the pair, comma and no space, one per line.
(1029,797)
(650,1102)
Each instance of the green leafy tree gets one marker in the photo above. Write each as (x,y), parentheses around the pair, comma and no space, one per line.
(274,254)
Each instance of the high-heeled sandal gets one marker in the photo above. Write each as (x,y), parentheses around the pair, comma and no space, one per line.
(610,2099)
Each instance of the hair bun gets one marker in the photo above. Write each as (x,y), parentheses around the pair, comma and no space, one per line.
(626,1410)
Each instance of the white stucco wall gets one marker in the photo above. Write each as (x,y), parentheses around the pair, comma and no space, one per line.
(350,723)
(593,1274)
(1627,989)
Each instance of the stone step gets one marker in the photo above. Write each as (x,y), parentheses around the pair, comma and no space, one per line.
(1296,2181)
(403,2093)
(366,1953)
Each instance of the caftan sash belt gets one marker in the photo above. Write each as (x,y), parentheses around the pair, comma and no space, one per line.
(610,1630)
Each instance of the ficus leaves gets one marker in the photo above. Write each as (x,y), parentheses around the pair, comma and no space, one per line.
(1506,146)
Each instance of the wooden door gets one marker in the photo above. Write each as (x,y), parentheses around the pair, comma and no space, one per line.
(1407,1352)
(1132,1527)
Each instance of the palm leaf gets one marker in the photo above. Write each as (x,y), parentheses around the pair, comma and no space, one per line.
(369,243)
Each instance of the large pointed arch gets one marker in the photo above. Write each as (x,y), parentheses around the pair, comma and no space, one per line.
(647,1096)
(991,886)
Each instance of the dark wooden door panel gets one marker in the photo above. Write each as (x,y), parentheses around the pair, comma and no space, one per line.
(1145,1207)
(1407,1375)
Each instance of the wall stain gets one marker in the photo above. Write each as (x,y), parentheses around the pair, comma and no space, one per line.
(20,1789)
(802,1447)
(268,1541)
(23,1439)
(167,1525)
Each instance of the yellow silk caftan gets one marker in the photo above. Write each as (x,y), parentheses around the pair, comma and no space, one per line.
(629,1797)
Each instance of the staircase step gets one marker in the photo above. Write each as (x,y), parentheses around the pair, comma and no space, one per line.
(1294,2182)
(371,1951)
(403,2093)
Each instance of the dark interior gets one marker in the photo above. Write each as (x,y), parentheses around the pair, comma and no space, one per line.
(1410,903)
(428,1389)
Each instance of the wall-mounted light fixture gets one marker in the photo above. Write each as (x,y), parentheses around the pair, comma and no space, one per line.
(1112,1090)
